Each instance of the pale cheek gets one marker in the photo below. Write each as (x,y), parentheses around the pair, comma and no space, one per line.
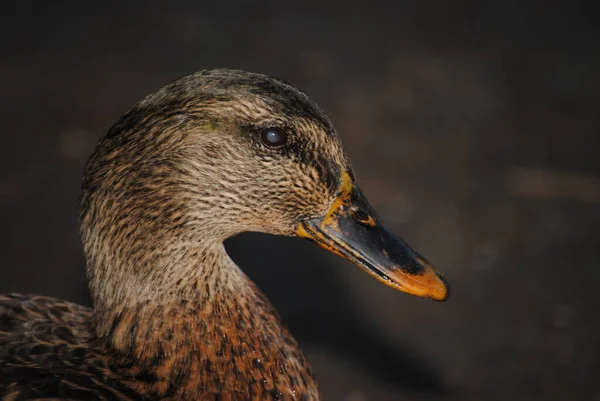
(312,203)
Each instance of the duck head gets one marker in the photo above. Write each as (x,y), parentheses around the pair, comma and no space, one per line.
(222,152)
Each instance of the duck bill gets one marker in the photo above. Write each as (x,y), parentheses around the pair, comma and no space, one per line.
(352,229)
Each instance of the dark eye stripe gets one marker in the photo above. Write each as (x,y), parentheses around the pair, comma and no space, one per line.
(273,137)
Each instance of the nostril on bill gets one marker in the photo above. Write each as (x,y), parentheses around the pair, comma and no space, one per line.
(361,216)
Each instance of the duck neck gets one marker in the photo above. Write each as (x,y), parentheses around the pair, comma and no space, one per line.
(201,277)
(207,330)
(144,276)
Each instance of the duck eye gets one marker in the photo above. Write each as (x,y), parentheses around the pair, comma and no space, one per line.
(273,137)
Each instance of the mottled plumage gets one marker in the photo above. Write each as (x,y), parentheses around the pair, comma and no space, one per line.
(173,316)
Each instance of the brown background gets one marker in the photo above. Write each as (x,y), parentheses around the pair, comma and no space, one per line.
(474,130)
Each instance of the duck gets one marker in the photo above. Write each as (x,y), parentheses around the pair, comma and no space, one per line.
(212,155)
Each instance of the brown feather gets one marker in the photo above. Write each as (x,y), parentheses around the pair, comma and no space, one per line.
(174,317)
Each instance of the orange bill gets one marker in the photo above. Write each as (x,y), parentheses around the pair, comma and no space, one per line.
(352,229)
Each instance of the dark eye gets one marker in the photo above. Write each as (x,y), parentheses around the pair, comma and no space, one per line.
(273,137)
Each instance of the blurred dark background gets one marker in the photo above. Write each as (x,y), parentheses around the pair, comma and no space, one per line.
(473,128)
